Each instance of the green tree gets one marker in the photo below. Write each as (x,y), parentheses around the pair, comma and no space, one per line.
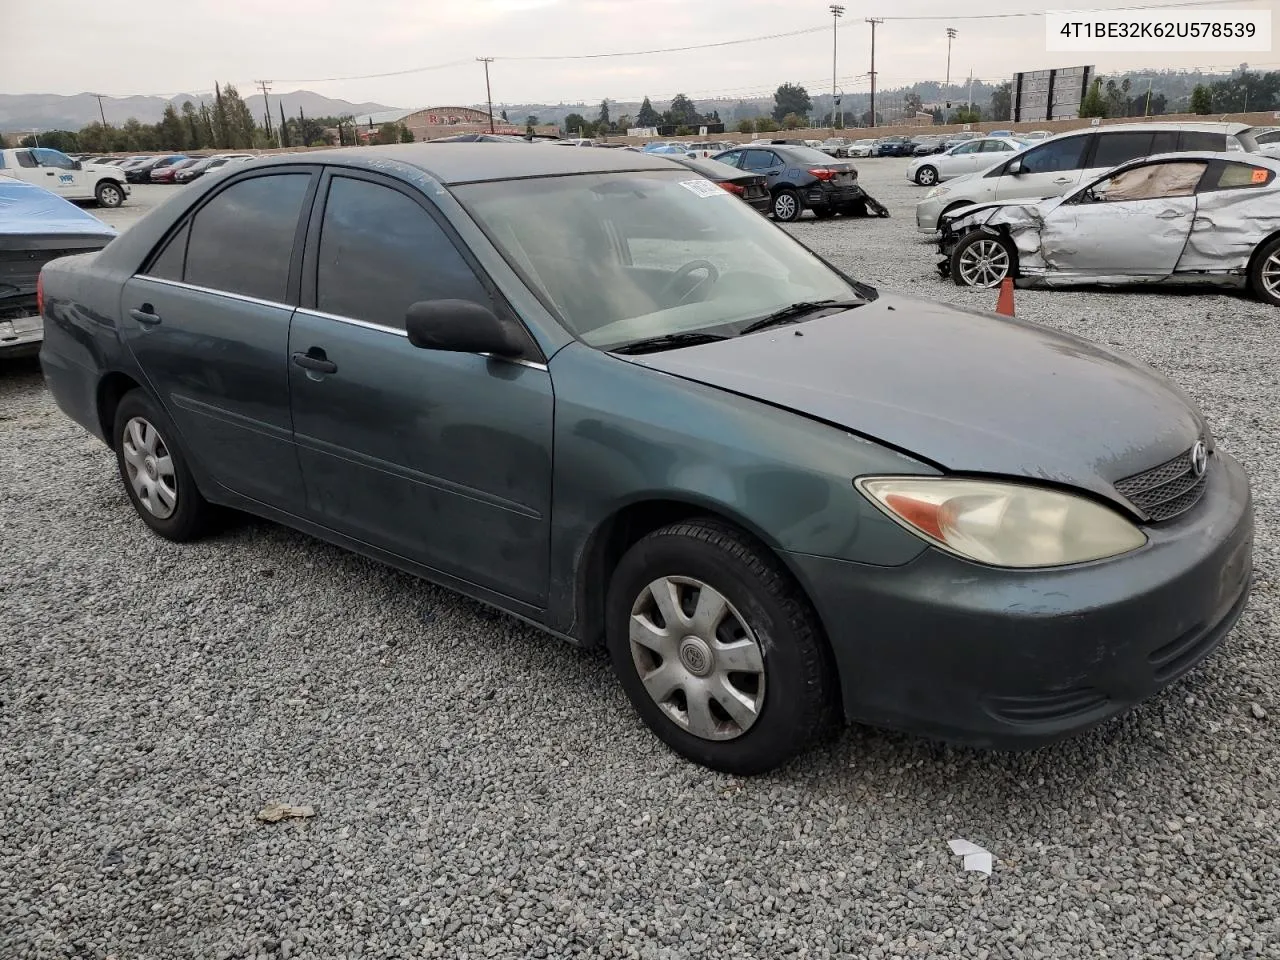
(221,125)
(531,121)
(388,133)
(285,139)
(171,132)
(647,117)
(1201,100)
(406,135)
(791,98)
(683,130)
(138,137)
(793,121)
(603,119)
(63,140)
(1002,102)
(746,126)
(911,104)
(683,111)
(1094,104)
(966,115)
(240,124)
(766,125)
(574,125)
(191,119)
(504,117)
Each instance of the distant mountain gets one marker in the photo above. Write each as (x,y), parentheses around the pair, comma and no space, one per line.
(46,111)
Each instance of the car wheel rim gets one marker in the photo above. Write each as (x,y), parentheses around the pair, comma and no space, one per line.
(984,263)
(149,464)
(926,176)
(784,207)
(697,658)
(1271,274)
(110,196)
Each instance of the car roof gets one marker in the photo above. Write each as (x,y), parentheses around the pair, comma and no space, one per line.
(455,163)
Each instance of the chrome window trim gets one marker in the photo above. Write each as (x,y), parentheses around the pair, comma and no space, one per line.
(230,294)
(381,328)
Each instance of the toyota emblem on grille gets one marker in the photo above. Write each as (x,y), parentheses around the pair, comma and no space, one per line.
(1199,458)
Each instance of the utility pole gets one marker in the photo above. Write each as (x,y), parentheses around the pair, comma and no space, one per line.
(951,35)
(971,92)
(488,94)
(266,103)
(873,21)
(1146,111)
(101,112)
(837,12)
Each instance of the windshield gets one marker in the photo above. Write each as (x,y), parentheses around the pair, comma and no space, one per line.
(621,257)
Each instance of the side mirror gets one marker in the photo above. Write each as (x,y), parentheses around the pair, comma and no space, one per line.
(462,326)
(1015,167)
(78,165)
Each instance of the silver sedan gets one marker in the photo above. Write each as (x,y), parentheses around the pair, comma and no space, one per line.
(1204,218)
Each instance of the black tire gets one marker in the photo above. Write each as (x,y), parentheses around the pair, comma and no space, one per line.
(991,246)
(1264,273)
(823,213)
(787,205)
(109,194)
(191,513)
(798,685)
(927,176)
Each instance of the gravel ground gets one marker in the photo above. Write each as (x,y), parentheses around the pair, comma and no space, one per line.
(480,790)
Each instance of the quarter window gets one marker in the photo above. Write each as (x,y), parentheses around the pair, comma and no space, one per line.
(1237,176)
(380,252)
(242,240)
(1202,140)
(1055,156)
(24,158)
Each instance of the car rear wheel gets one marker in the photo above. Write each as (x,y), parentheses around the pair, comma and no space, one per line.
(926,176)
(717,648)
(154,471)
(1264,275)
(786,205)
(981,260)
(109,194)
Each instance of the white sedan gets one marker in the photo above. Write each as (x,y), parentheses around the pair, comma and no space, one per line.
(968,157)
(1200,218)
(861,148)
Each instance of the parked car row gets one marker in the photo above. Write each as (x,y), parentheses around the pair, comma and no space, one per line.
(166,168)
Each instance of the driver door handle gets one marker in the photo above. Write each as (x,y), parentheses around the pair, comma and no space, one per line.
(146,315)
(315,360)
(1064,180)
(1170,215)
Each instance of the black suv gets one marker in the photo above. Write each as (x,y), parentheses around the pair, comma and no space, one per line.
(801,177)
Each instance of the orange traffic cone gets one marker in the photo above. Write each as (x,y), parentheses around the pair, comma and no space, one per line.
(1004,304)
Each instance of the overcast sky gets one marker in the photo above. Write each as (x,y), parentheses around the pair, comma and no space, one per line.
(73,46)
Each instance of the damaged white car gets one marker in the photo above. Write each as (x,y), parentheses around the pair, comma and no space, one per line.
(1207,218)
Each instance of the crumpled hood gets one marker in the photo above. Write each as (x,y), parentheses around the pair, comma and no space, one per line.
(970,391)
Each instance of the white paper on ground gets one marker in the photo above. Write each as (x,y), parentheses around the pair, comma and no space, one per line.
(975,858)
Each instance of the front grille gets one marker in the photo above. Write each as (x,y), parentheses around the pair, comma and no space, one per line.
(1165,491)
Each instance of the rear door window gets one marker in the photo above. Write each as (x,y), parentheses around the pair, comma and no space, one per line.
(759,160)
(1055,156)
(24,158)
(242,240)
(1117,148)
(381,252)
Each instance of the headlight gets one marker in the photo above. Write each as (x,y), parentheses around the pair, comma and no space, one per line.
(1003,524)
(937,192)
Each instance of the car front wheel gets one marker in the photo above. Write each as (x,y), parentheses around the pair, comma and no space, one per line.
(981,260)
(718,649)
(786,205)
(109,194)
(926,176)
(1264,275)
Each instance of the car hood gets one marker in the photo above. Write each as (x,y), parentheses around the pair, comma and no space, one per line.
(969,391)
(981,212)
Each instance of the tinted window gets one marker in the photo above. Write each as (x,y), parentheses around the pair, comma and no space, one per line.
(1055,156)
(759,160)
(1165,141)
(1117,148)
(168,264)
(806,156)
(242,240)
(1235,176)
(733,157)
(24,158)
(996,146)
(1198,140)
(380,252)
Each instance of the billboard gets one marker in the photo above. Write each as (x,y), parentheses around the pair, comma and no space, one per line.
(1050,94)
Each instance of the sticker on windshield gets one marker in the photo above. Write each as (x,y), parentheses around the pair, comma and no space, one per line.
(703,188)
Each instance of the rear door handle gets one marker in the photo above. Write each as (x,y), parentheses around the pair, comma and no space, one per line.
(146,315)
(1064,180)
(317,364)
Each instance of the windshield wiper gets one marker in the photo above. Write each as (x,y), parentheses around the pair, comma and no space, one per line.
(797,310)
(668,341)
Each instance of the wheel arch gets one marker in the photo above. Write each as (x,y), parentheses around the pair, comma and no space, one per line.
(614,535)
(1257,252)
(111,390)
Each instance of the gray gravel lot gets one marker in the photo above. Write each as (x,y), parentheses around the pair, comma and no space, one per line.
(481,790)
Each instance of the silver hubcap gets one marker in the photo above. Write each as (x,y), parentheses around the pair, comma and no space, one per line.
(784,207)
(110,196)
(1271,274)
(927,176)
(697,658)
(150,468)
(984,263)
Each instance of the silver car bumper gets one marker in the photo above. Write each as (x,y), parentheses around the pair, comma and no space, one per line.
(21,337)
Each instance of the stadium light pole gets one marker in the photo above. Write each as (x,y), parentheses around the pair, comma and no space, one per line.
(837,12)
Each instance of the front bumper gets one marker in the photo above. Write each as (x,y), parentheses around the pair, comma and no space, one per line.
(927,213)
(1012,660)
